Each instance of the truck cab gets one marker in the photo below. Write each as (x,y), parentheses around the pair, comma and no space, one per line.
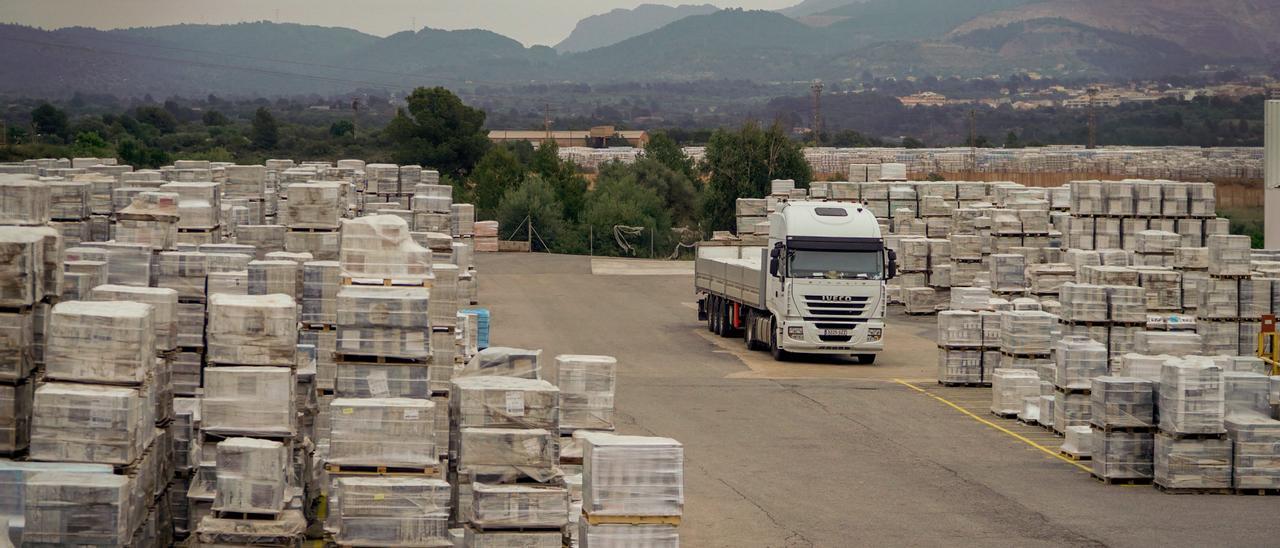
(826,284)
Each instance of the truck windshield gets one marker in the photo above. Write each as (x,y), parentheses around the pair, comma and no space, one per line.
(837,265)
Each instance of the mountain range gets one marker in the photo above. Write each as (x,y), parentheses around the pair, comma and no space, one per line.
(1081,38)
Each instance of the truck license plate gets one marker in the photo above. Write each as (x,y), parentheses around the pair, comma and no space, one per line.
(837,332)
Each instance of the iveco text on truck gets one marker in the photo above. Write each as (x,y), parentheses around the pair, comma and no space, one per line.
(817,287)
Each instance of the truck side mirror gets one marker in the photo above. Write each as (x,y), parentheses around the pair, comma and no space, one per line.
(893,264)
(774,261)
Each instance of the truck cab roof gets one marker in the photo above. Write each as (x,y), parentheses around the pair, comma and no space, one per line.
(822,220)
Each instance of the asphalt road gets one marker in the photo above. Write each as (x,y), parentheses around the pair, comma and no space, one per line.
(835,453)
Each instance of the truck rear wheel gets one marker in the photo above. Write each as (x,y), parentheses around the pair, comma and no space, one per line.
(713,315)
(726,320)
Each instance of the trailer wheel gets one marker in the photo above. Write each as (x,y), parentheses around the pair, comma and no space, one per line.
(713,314)
(778,353)
(726,320)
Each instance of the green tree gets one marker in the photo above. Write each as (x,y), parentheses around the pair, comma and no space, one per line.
(213,118)
(439,131)
(571,187)
(265,132)
(912,142)
(90,144)
(50,121)
(620,201)
(662,148)
(341,128)
(740,164)
(158,118)
(136,154)
(497,172)
(1011,141)
(533,200)
(679,194)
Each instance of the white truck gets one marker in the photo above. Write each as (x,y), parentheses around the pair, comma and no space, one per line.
(817,287)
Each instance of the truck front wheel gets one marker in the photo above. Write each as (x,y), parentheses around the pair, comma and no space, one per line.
(866,359)
(778,353)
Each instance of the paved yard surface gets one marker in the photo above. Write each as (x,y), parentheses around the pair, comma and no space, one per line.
(834,453)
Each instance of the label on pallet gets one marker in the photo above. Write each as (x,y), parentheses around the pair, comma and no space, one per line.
(515,404)
(378,386)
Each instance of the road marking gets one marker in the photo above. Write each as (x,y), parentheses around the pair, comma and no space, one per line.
(1011,433)
(640,267)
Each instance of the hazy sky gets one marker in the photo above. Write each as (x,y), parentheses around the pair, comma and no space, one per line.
(530,21)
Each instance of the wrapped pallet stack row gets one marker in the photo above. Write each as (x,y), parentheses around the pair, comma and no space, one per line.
(311,216)
(587,386)
(1192,451)
(632,491)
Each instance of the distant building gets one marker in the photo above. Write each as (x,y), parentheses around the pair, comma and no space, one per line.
(924,98)
(596,137)
(1100,100)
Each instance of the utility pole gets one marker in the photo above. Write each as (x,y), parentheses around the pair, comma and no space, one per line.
(816,88)
(4,133)
(973,141)
(1093,119)
(355,109)
(546,120)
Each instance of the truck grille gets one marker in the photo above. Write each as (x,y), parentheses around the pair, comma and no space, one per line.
(829,314)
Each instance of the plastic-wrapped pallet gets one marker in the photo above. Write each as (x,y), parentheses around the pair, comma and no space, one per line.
(960,328)
(1173,343)
(504,402)
(320,283)
(313,205)
(1070,410)
(263,238)
(1191,258)
(1078,441)
(587,385)
(251,476)
(1122,455)
(504,362)
(252,330)
(966,366)
(1246,393)
(1008,272)
(1220,338)
(1191,397)
(620,536)
(1026,332)
(373,380)
(273,277)
(1254,439)
(382,432)
(1192,463)
(1163,289)
(21,266)
(383,321)
(322,246)
(1047,279)
(519,506)
(1229,255)
(248,400)
(228,283)
(80,509)
(1009,387)
(164,303)
(90,423)
(392,511)
(443,305)
(920,300)
(1122,402)
(970,298)
(199,204)
(476,538)
(23,201)
(110,342)
(17,338)
(531,451)
(380,247)
(632,476)
(463,217)
(184,272)
(16,402)
(1078,361)
(128,264)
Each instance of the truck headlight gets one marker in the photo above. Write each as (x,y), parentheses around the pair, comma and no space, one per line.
(874,334)
(795,332)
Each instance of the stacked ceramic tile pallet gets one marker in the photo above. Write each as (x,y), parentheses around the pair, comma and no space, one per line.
(252,456)
(462,219)
(384,484)
(587,386)
(311,216)
(98,403)
(1233,300)
(632,491)
(968,340)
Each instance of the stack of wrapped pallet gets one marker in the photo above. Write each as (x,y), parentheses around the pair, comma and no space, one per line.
(486,238)
(151,219)
(632,491)
(431,206)
(263,239)
(1232,301)
(1026,339)
(749,212)
(384,182)
(1156,248)
(184,430)
(247,183)
(1192,452)
(69,211)
(321,281)
(199,211)
(383,422)
(968,347)
(186,273)
(97,405)
(1008,274)
(25,299)
(249,423)
(1122,416)
(504,459)
(1078,360)
(1109,314)
(312,214)
(1009,390)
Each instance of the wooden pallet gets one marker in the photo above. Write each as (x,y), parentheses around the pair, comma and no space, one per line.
(1177,436)
(631,520)
(1109,429)
(386,282)
(1122,481)
(378,470)
(315,326)
(1193,490)
(247,516)
(1074,457)
(950,384)
(17,309)
(312,230)
(1005,415)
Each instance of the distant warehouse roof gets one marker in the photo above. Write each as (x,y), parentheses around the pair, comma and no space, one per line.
(597,136)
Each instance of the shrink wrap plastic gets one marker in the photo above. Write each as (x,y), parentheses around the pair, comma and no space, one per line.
(1254,461)
(23,201)
(632,475)
(252,330)
(91,423)
(587,386)
(382,432)
(504,362)
(1122,402)
(1191,399)
(164,304)
(320,283)
(380,247)
(248,400)
(1026,332)
(313,205)
(1077,361)
(108,342)
(1192,463)
(1009,387)
(519,506)
(1122,455)
(392,511)
(80,509)
(504,402)
(383,321)
(251,476)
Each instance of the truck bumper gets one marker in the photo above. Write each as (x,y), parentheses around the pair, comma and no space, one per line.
(860,341)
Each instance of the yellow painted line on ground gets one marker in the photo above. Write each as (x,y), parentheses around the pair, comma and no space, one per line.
(1011,433)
